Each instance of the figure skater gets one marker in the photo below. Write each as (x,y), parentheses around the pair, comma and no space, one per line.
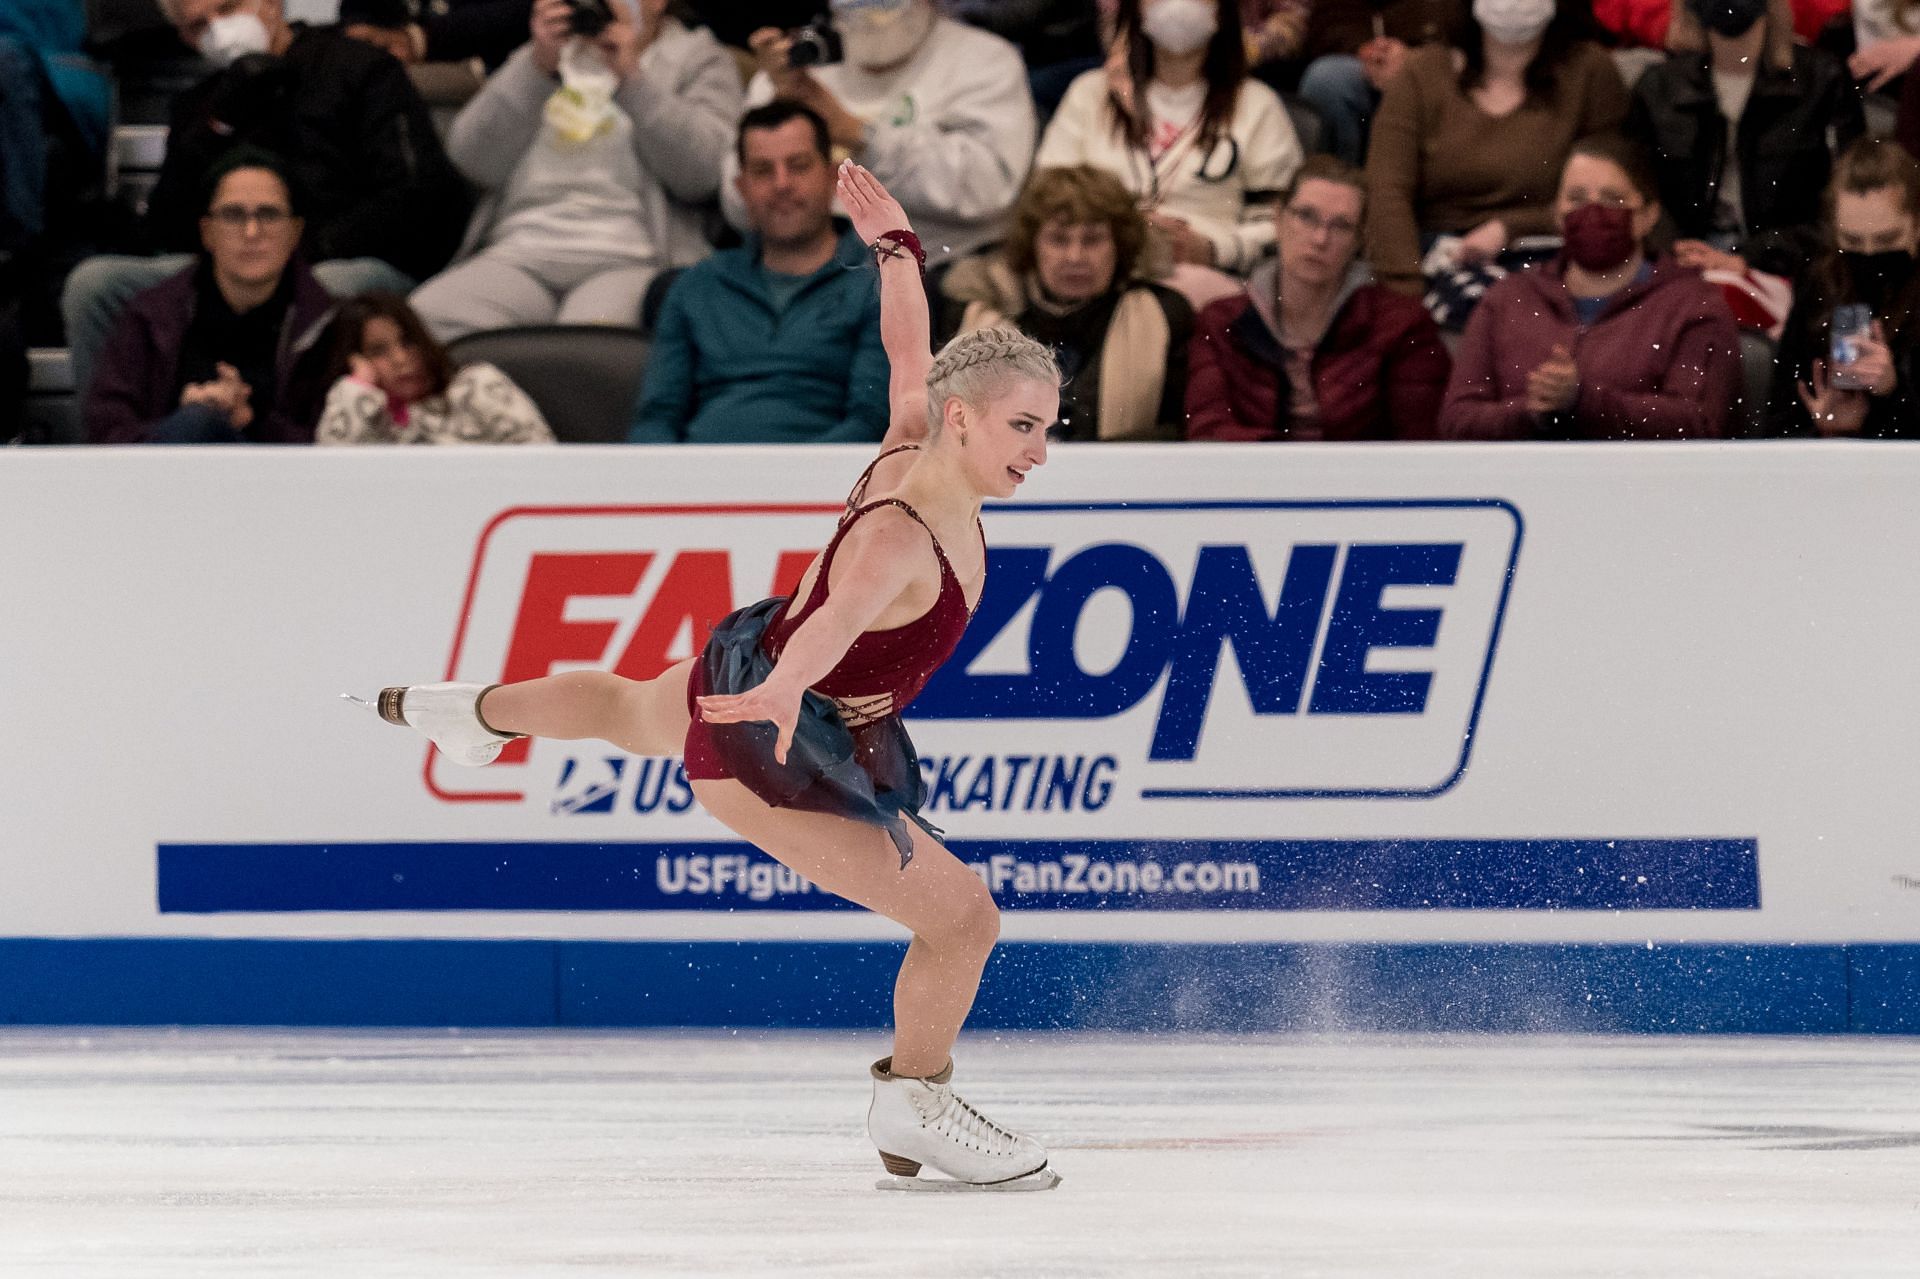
(789,719)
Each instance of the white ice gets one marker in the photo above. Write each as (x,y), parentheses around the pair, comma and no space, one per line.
(267,1153)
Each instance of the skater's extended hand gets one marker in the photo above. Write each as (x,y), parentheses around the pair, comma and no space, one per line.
(873,211)
(769,703)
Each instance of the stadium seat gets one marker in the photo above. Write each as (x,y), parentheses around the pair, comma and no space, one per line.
(1756,380)
(584,377)
(1307,124)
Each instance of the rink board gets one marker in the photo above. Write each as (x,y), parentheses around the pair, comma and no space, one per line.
(1621,738)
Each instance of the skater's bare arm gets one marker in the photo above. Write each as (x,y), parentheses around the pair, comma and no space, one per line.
(878,563)
(906,331)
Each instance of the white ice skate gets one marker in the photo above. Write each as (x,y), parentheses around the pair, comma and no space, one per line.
(922,1121)
(448,715)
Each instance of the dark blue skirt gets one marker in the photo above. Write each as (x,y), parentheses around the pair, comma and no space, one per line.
(870,773)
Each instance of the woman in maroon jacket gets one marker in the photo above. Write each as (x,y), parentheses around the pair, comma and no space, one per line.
(228,351)
(1602,342)
(1313,350)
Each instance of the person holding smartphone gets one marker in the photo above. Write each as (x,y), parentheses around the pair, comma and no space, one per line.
(1849,359)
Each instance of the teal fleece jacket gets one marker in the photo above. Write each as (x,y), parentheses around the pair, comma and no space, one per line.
(726,368)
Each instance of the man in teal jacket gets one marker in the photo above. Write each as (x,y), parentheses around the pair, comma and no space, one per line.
(776,342)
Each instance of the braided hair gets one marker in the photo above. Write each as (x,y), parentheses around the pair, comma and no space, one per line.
(976,366)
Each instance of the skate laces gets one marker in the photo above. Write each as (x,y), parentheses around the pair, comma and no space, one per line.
(954,1119)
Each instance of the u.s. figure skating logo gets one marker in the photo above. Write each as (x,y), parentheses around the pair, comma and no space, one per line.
(1122,654)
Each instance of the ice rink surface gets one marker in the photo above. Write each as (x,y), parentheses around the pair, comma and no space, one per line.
(137,1153)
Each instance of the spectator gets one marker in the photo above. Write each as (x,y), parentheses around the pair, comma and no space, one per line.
(776,342)
(228,350)
(937,110)
(393,384)
(1873,203)
(1057,39)
(1886,39)
(416,31)
(1355,48)
(53,128)
(1470,140)
(1601,343)
(1737,119)
(1067,277)
(591,185)
(385,206)
(1205,149)
(1314,350)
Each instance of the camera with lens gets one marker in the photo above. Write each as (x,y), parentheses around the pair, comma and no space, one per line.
(589,17)
(815,45)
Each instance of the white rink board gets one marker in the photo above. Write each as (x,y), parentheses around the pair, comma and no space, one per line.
(1693,643)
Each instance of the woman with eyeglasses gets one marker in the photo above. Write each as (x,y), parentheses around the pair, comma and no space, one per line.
(227,351)
(1312,349)
(1605,341)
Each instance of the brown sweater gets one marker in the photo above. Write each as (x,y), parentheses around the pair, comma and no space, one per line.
(1437,164)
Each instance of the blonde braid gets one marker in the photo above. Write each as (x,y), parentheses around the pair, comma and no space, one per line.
(976,366)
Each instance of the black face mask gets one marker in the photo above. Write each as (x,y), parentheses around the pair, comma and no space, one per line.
(1728,18)
(1876,277)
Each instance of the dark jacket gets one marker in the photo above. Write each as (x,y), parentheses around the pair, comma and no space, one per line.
(137,379)
(1661,362)
(374,181)
(455,30)
(1783,155)
(1807,338)
(726,368)
(1378,373)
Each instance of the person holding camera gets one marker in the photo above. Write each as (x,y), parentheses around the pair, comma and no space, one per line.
(939,111)
(1849,357)
(594,149)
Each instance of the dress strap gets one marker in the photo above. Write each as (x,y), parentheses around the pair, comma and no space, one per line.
(866,476)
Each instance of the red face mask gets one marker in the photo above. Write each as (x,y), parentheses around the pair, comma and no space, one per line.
(1600,237)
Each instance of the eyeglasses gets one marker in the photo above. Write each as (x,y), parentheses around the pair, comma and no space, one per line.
(1312,222)
(234,217)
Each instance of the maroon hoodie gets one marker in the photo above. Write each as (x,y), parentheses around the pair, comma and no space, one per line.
(136,383)
(1662,361)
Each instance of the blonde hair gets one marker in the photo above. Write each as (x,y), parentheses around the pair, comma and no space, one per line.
(977,366)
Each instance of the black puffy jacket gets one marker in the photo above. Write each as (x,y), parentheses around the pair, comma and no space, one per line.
(1785,153)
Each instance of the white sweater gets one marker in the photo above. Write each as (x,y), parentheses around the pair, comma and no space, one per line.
(952,137)
(1225,195)
(482,406)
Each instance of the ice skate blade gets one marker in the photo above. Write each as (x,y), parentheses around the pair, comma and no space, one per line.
(1045,1179)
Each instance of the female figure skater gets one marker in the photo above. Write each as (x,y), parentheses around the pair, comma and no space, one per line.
(789,719)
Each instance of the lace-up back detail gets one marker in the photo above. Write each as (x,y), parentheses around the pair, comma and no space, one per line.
(882,670)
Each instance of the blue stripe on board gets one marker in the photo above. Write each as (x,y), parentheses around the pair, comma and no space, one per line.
(1164,987)
(1347,874)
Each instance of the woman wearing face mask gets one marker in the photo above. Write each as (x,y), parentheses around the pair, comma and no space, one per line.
(1204,149)
(1470,139)
(1603,342)
(393,384)
(1737,118)
(1873,206)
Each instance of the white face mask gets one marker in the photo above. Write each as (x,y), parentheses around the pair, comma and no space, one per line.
(883,33)
(229,39)
(1181,26)
(1514,21)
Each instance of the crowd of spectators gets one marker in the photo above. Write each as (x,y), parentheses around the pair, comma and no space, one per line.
(1230,219)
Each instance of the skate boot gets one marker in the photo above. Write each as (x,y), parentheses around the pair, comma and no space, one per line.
(922,1121)
(448,715)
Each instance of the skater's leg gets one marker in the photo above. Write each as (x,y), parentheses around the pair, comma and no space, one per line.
(641,717)
(949,911)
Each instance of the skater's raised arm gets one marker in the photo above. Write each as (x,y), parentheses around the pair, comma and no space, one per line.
(881,557)
(905,327)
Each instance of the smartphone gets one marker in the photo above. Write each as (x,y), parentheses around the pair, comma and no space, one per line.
(1851,322)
